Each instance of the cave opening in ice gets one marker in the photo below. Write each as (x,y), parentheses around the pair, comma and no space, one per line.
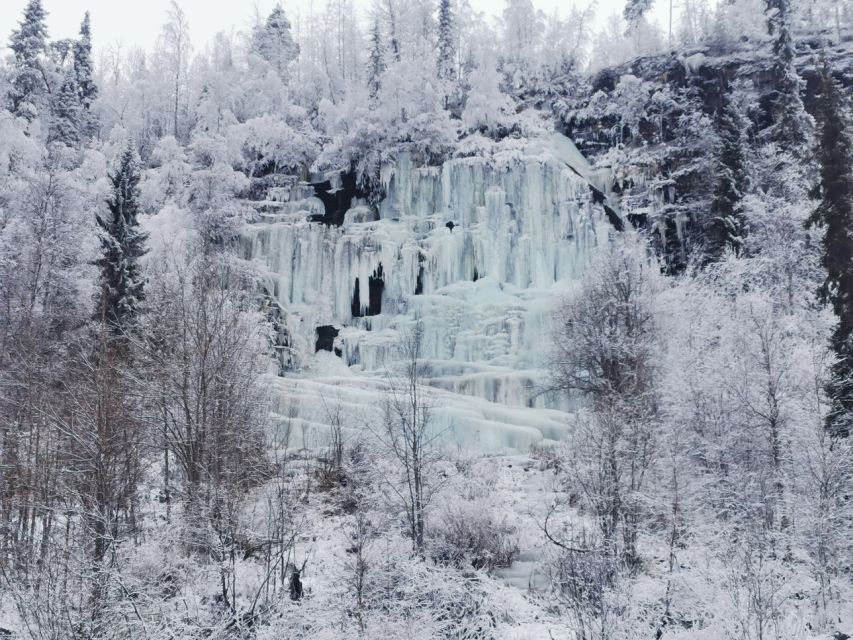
(375,288)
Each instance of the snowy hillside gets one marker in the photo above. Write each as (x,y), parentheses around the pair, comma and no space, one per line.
(383,319)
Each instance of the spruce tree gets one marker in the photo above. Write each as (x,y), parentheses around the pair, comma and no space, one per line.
(375,62)
(727,224)
(790,122)
(274,42)
(29,44)
(67,113)
(634,10)
(86,86)
(446,49)
(835,214)
(122,244)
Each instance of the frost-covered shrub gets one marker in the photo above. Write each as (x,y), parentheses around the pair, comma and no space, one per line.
(471,527)
(467,533)
(548,455)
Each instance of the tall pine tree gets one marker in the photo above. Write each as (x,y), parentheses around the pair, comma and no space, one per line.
(727,224)
(66,124)
(122,244)
(86,86)
(835,214)
(29,44)
(275,44)
(634,11)
(375,62)
(791,123)
(445,67)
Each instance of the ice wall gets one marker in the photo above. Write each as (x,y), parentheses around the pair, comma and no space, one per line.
(478,249)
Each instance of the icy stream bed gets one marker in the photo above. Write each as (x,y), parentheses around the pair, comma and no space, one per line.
(310,402)
(478,250)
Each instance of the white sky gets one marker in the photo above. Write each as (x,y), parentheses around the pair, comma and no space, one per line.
(138,22)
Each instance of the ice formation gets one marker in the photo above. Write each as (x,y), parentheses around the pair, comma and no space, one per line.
(479,249)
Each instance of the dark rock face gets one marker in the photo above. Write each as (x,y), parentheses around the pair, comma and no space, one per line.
(326,338)
(259,187)
(295,586)
(376,286)
(658,126)
(614,219)
(336,202)
(282,345)
(419,285)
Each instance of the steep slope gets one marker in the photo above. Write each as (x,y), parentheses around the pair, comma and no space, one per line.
(650,123)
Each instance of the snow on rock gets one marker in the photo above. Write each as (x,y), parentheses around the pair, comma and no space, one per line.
(524,225)
(693,62)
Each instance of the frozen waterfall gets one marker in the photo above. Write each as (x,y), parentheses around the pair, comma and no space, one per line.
(479,249)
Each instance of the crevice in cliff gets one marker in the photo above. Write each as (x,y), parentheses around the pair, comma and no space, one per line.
(375,288)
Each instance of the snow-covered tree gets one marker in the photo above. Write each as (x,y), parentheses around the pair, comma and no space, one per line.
(835,214)
(275,44)
(446,63)
(173,54)
(167,179)
(607,341)
(67,113)
(409,434)
(205,371)
(29,75)
(635,10)
(83,65)
(521,45)
(375,62)
(122,245)
(487,110)
(727,224)
(792,125)
(212,189)
(521,28)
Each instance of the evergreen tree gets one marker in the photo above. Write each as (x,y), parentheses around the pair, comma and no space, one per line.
(446,49)
(122,244)
(274,42)
(376,62)
(86,86)
(835,214)
(727,225)
(67,113)
(791,123)
(29,44)
(634,10)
